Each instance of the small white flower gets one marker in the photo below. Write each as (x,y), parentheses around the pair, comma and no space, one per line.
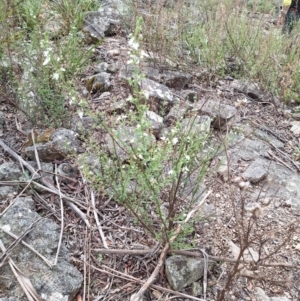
(170,172)
(46,61)
(187,157)
(185,169)
(163,138)
(133,44)
(174,140)
(80,114)
(62,69)
(140,156)
(55,76)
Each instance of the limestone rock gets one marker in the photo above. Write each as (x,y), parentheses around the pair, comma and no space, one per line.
(10,172)
(176,113)
(260,294)
(62,143)
(155,93)
(221,113)
(97,25)
(156,122)
(255,172)
(175,79)
(182,271)
(99,82)
(60,283)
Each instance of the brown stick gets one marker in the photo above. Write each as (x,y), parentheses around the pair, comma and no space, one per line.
(131,278)
(192,254)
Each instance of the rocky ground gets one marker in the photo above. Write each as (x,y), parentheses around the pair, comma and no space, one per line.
(254,201)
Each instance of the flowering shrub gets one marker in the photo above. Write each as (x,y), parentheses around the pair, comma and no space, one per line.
(158,181)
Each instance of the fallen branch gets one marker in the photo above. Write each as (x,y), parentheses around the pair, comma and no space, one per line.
(127,277)
(193,254)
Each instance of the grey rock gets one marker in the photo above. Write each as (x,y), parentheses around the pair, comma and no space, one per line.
(63,142)
(250,89)
(196,289)
(260,294)
(62,282)
(10,172)
(46,172)
(126,72)
(279,299)
(68,172)
(176,114)
(156,94)
(117,106)
(268,138)
(7,192)
(82,126)
(175,79)
(156,122)
(197,125)
(125,140)
(182,271)
(220,113)
(97,25)
(112,68)
(151,73)
(189,95)
(252,148)
(102,67)
(99,82)
(256,171)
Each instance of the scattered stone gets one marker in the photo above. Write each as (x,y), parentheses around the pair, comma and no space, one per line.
(175,79)
(7,192)
(156,122)
(102,67)
(126,139)
(223,168)
(67,170)
(10,172)
(99,82)
(196,289)
(126,72)
(268,138)
(256,172)
(295,129)
(62,143)
(46,172)
(260,294)
(279,299)
(250,89)
(83,125)
(156,92)
(60,283)
(220,113)
(197,124)
(189,95)
(97,25)
(176,113)
(182,271)
(151,73)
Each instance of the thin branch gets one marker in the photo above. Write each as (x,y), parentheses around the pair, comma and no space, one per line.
(97,220)
(62,218)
